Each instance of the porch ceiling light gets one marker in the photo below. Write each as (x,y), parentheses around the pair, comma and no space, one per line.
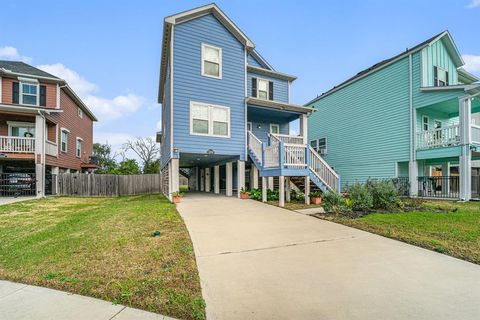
(175,150)
(259,126)
(210,151)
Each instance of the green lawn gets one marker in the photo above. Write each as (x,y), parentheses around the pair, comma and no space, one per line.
(448,227)
(103,247)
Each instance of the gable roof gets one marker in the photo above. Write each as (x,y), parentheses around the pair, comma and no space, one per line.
(23,68)
(188,15)
(444,36)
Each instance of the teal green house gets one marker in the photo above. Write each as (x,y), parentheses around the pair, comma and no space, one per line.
(413,117)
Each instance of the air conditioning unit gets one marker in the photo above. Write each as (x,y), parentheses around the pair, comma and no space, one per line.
(322,152)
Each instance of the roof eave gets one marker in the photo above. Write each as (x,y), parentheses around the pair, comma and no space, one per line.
(272,73)
(279,105)
(79,101)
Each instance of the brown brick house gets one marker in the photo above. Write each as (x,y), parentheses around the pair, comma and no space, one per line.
(44,127)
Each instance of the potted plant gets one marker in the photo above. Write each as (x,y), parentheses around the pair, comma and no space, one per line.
(244,194)
(177,196)
(315,197)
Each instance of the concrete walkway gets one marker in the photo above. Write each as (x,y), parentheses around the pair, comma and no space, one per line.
(9,200)
(19,302)
(257,261)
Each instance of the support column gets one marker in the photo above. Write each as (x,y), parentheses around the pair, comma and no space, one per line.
(281,191)
(254,170)
(465,174)
(264,189)
(287,189)
(307,190)
(413,178)
(216,179)
(202,179)
(55,173)
(207,180)
(229,178)
(446,173)
(304,128)
(175,175)
(240,176)
(40,155)
(270,183)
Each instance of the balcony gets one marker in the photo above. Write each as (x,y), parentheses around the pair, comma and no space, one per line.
(445,137)
(17,144)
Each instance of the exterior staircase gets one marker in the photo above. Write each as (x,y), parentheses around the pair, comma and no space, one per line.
(286,155)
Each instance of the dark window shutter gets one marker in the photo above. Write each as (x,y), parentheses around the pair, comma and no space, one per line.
(16,93)
(435,76)
(254,87)
(270,90)
(43,96)
(446,78)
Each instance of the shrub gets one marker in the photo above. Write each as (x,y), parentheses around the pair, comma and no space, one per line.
(361,197)
(297,195)
(256,194)
(272,195)
(384,193)
(333,202)
(315,194)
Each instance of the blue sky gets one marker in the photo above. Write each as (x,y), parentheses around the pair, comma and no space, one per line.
(109,51)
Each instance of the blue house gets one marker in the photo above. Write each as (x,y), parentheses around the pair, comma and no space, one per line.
(226,113)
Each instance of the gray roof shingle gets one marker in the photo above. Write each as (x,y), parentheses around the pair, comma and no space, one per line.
(21,67)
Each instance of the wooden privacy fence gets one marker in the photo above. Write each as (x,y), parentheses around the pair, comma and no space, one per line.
(106,185)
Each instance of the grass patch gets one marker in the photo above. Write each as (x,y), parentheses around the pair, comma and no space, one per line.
(451,228)
(104,248)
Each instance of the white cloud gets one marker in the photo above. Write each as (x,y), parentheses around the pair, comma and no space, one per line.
(472,62)
(104,108)
(115,140)
(81,86)
(474,4)
(11,53)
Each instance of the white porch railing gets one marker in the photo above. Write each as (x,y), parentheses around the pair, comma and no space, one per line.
(442,137)
(17,144)
(272,156)
(51,148)
(285,138)
(475,134)
(294,155)
(322,170)
(256,146)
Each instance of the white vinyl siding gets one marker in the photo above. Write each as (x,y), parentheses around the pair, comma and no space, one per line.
(209,120)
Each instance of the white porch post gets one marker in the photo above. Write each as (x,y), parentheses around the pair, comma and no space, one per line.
(465,115)
(40,155)
(287,189)
(264,189)
(254,171)
(229,178)
(202,179)
(240,176)
(175,175)
(413,178)
(55,172)
(281,191)
(304,128)
(271,185)
(207,180)
(307,190)
(446,173)
(216,179)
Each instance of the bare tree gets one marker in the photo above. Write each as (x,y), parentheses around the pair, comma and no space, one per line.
(147,149)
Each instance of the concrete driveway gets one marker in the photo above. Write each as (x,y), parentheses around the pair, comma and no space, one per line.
(258,261)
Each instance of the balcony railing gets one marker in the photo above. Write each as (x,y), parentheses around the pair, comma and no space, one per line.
(475,134)
(285,138)
(51,148)
(442,137)
(447,187)
(17,144)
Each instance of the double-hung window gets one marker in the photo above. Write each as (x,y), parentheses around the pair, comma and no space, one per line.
(209,120)
(64,140)
(78,147)
(263,89)
(29,93)
(425,123)
(211,61)
(440,77)
(319,145)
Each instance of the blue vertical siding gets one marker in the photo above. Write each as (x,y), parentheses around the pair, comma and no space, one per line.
(166,114)
(280,87)
(190,85)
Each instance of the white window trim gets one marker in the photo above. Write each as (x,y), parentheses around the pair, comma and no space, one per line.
(274,125)
(18,124)
(80,112)
(435,123)
(66,142)
(220,61)
(324,149)
(423,123)
(210,120)
(31,82)
(440,69)
(258,88)
(249,123)
(77,139)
